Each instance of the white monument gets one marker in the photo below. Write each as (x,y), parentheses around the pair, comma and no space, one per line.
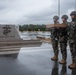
(9,33)
(10,38)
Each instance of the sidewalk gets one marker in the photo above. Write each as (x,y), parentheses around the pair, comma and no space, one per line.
(34,61)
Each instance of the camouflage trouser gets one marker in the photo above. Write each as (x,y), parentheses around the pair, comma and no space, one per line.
(63,47)
(73,51)
(55,47)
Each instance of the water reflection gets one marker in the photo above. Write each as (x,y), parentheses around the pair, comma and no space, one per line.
(32,35)
(55,69)
(63,70)
(73,72)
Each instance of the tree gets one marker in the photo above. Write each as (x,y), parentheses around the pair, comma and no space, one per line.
(36,29)
(20,28)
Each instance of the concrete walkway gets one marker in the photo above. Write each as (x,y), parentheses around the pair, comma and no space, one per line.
(34,61)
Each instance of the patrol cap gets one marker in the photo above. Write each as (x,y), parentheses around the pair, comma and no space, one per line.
(56,17)
(65,17)
(73,13)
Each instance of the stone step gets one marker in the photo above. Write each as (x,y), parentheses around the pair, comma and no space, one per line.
(23,42)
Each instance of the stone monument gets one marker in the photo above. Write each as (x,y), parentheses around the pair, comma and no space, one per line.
(10,38)
(9,33)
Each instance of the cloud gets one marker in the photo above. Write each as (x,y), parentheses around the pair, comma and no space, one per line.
(32,11)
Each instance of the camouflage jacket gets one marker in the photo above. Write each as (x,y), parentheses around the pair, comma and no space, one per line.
(54,33)
(63,36)
(72,32)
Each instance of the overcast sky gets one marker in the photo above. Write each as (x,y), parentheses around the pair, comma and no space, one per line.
(32,11)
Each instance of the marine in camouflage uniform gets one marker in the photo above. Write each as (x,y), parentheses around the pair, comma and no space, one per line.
(72,39)
(54,38)
(63,40)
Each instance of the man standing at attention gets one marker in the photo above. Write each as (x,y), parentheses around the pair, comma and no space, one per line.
(72,39)
(54,38)
(63,39)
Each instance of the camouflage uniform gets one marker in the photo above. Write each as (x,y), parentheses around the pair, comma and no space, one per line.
(72,39)
(54,38)
(63,40)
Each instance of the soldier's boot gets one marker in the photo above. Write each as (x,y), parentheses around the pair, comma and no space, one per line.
(72,66)
(55,58)
(63,61)
(72,63)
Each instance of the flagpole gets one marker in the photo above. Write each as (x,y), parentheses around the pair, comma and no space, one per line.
(75,5)
(59,9)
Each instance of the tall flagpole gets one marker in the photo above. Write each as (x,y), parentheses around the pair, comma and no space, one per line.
(59,9)
(75,5)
